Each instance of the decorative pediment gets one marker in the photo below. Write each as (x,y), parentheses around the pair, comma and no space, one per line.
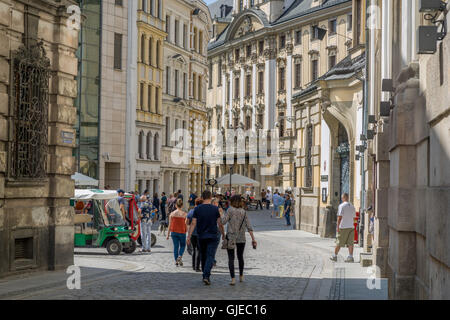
(281,62)
(178,58)
(332,50)
(297,58)
(314,54)
(245,25)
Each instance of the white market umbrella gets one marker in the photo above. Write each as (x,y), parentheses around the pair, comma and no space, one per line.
(82,180)
(94,194)
(237,180)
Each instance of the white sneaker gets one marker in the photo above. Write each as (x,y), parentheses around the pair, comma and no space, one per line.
(349,259)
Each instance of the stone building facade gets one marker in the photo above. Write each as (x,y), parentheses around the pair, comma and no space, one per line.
(149,108)
(410,185)
(270,53)
(38,67)
(184,96)
(328,120)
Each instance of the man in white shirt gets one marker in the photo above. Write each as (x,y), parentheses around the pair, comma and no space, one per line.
(345,228)
(268,199)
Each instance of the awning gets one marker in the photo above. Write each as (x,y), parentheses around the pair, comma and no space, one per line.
(82,180)
(237,180)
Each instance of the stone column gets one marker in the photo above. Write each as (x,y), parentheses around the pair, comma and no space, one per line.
(270,88)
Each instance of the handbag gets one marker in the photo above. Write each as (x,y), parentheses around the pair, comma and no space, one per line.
(228,243)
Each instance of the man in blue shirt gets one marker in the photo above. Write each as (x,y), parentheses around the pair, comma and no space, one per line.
(206,218)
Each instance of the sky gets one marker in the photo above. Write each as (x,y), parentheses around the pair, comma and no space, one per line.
(208,2)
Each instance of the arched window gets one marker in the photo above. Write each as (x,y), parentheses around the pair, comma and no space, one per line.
(141,145)
(158,53)
(143,48)
(156,146)
(150,51)
(149,146)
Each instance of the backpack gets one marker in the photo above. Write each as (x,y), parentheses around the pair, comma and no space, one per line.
(172,206)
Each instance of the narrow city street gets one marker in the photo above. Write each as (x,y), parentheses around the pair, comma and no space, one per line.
(287,265)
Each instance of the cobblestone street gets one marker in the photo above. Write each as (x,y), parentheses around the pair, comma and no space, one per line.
(288,265)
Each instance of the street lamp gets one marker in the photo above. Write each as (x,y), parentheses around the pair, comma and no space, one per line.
(231,172)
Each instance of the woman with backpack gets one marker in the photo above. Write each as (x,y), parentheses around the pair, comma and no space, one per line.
(238,223)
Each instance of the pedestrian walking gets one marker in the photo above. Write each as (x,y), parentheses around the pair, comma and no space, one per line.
(147,215)
(178,229)
(215,202)
(278,201)
(263,198)
(194,238)
(238,223)
(287,210)
(179,195)
(206,218)
(192,198)
(345,229)
(268,199)
(156,204)
(163,206)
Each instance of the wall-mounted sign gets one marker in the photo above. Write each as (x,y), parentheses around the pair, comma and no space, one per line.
(67,137)
(324,178)
(324,195)
(212,182)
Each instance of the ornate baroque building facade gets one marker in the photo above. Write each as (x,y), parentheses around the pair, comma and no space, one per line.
(264,63)
(38,67)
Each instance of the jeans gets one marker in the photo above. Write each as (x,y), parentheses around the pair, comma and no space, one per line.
(208,248)
(287,215)
(179,244)
(195,252)
(267,204)
(163,213)
(240,255)
(146,235)
(217,246)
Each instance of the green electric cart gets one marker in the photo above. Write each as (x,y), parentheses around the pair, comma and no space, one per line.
(102,225)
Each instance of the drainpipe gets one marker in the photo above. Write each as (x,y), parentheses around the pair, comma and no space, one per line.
(364,123)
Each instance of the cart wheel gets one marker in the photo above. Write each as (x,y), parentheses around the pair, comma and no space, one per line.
(153,240)
(114,247)
(131,248)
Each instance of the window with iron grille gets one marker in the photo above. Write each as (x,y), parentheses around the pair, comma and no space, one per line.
(23,248)
(309,168)
(29,98)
